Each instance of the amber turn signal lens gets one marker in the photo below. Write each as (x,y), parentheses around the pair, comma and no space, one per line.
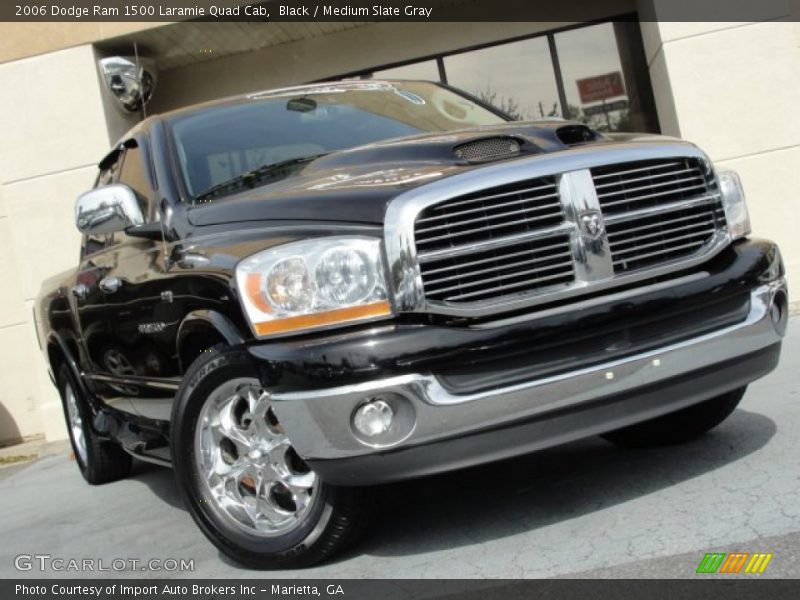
(253,291)
(331,317)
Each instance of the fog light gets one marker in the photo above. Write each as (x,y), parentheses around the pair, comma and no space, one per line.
(373,418)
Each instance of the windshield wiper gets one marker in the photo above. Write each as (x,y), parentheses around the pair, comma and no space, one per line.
(249,179)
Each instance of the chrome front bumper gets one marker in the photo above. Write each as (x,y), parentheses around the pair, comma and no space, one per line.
(319,422)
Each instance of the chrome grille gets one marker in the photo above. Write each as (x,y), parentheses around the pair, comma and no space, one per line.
(666,209)
(489,214)
(479,246)
(552,227)
(633,186)
(527,266)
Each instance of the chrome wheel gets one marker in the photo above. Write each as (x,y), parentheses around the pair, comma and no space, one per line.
(75,423)
(252,473)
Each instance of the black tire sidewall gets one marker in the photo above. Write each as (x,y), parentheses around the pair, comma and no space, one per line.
(65,379)
(208,373)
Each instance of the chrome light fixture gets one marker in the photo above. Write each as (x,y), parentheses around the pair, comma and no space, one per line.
(130,80)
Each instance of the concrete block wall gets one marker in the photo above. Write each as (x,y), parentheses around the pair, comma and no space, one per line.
(733,89)
(54,132)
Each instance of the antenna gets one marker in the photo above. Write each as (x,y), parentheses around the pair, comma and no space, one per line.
(139,78)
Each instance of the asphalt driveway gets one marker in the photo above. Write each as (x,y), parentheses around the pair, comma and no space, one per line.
(584,509)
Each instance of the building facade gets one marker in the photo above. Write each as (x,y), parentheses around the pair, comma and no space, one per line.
(732,88)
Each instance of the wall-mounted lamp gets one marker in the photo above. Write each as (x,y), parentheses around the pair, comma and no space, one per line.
(130,80)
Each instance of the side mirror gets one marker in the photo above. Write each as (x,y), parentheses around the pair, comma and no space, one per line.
(107,209)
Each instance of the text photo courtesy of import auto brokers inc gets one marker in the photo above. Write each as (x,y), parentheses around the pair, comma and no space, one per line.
(406,299)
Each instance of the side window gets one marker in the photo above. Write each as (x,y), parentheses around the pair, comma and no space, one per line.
(134,174)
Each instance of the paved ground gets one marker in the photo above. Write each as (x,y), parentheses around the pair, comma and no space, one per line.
(31,450)
(587,509)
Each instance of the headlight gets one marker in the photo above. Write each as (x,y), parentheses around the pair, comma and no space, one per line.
(730,186)
(313,283)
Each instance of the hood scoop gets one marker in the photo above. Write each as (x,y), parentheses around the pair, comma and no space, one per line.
(487,149)
(573,135)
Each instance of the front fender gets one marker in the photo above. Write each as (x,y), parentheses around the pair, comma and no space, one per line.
(202,323)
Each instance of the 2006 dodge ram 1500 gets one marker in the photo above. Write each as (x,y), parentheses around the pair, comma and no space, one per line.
(292,295)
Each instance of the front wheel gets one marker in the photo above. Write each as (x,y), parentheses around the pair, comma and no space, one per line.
(245,485)
(680,426)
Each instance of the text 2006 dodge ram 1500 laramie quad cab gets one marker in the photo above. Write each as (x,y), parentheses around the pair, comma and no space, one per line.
(293,295)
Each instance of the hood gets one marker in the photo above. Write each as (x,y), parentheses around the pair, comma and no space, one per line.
(355,185)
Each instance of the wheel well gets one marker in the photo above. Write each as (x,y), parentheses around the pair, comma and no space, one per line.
(193,344)
(56,357)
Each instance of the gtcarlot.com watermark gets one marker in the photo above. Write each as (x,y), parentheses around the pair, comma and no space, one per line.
(59,564)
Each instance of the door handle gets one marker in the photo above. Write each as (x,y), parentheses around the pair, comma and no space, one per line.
(80,291)
(109,284)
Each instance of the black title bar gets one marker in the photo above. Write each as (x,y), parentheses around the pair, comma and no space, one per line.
(385,10)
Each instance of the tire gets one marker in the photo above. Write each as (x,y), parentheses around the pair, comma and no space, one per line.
(99,461)
(680,426)
(221,414)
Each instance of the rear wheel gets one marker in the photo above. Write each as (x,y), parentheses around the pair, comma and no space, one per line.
(99,461)
(246,487)
(680,426)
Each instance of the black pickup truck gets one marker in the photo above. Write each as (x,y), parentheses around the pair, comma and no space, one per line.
(293,295)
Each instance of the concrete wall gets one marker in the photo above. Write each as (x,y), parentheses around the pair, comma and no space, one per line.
(18,40)
(54,132)
(733,88)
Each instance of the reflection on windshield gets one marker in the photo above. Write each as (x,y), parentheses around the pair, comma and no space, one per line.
(221,148)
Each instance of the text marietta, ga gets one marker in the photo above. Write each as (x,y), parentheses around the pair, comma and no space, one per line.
(155,591)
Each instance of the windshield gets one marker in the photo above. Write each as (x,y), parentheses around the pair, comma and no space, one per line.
(225,144)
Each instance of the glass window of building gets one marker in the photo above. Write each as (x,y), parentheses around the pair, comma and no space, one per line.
(605,78)
(596,74)
(427,70)
(516,77)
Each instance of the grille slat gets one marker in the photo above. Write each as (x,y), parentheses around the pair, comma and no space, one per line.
(601,186)
(707,229)
(542,271)
(694,246)
(611,204)
(616,173)
(701,236)
(491,217)
(494,243)
(696,184)
(431,272)
(484,198)
(491,292)
(483,208)
(614,235)
(565,260)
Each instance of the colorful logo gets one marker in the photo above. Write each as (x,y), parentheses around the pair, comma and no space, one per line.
(734,563)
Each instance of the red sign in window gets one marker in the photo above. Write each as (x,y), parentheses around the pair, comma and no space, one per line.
(594,89)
